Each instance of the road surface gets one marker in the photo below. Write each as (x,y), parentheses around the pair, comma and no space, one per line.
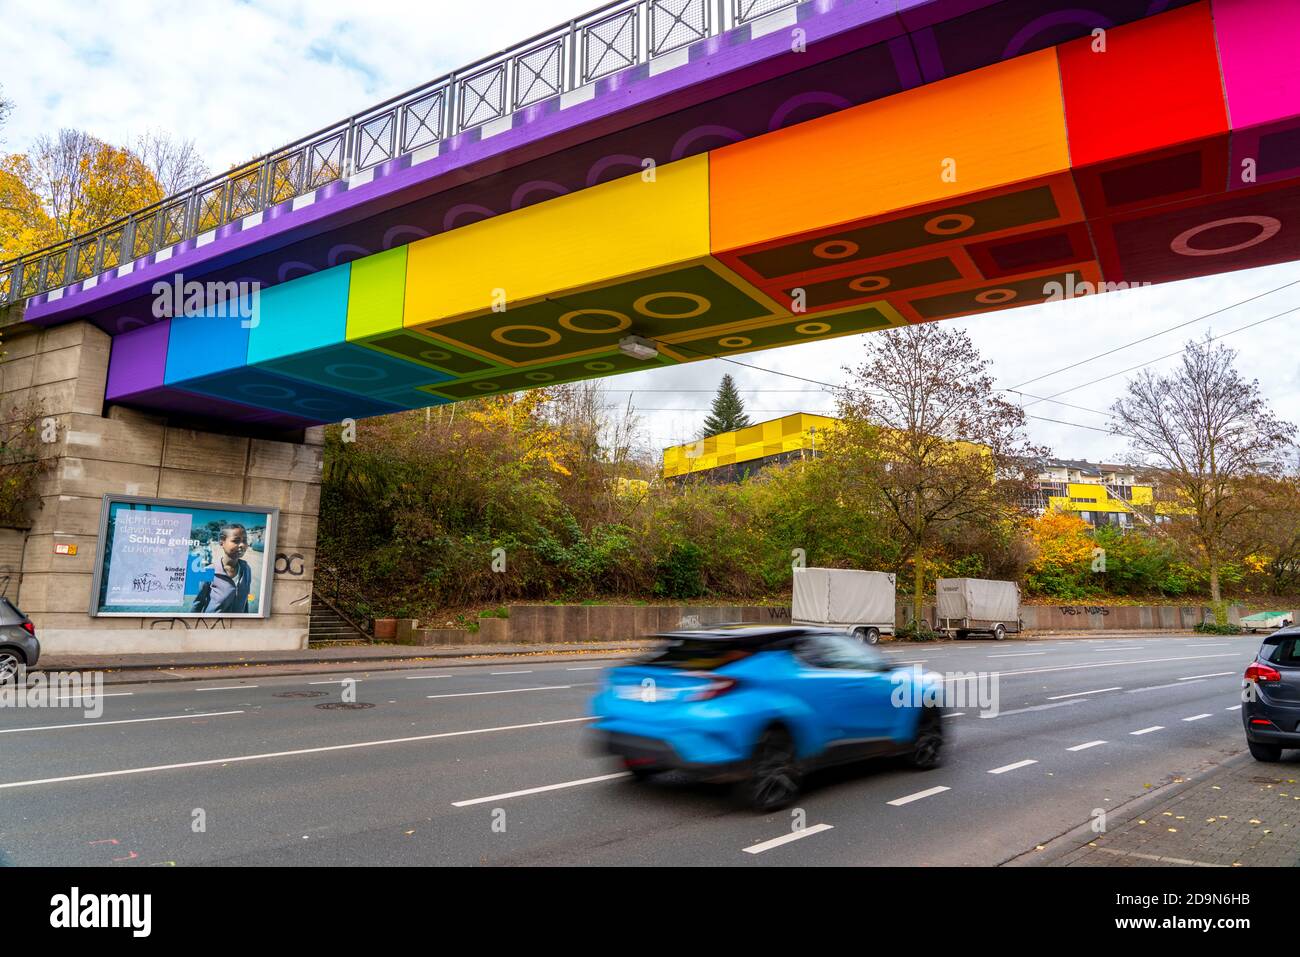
(487,764)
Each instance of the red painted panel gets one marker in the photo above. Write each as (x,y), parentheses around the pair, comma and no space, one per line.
(1156,84)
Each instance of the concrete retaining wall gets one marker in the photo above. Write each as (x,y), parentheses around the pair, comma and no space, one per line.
(547,624)
(63,370)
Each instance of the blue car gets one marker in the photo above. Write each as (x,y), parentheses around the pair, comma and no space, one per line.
(764,705)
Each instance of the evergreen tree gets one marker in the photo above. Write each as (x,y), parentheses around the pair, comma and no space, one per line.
(728,411)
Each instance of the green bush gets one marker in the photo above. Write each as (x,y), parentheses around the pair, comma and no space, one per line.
(910,632)
(1214,628)
(681,573)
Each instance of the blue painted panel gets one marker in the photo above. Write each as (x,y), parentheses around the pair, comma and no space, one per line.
(266,390)
(301,315)
(351,368)
(203,345)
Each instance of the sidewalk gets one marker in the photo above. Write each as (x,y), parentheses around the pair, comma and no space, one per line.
(204,665)
(1241,814)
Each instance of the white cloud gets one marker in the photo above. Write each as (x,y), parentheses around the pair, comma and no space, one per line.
(240,78)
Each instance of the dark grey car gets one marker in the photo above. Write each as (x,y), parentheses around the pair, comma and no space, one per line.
(1271,700)
(18,644)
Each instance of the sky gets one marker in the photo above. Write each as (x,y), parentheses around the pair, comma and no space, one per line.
(242,77)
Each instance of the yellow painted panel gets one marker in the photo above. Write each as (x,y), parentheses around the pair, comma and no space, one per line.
(617,229)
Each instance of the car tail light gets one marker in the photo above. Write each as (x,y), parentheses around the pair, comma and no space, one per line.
(29,628)
(1261,722)
(717,685)
(1260,672)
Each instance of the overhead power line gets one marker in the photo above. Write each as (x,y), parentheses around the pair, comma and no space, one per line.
(1077,425)
(1154,335)
(1170,355)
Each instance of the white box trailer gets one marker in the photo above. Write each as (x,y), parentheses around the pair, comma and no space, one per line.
(963,605)
(861,603)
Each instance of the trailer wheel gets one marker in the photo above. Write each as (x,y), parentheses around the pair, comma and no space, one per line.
(999,631)
(868,636)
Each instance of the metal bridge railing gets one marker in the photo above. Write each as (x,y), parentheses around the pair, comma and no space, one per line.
(616,36)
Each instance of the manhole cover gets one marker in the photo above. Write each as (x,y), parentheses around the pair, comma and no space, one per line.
(344,706)
(301,694)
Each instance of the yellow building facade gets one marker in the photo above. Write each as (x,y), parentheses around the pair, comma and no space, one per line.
(778,439)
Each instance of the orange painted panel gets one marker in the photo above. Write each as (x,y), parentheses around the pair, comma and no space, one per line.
(1000,125)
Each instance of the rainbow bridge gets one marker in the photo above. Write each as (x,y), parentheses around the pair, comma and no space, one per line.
(664,181)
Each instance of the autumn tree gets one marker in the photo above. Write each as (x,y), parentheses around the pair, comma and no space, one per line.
(928,436)
(1205,432)
(74,183)
(85,183)
(176,164)
(728,411)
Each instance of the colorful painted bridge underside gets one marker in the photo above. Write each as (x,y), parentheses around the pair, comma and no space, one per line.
(1171,153)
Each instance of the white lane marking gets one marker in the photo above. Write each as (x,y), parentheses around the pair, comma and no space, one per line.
(342,681)
(787,838)
(1080,694)
(100,724)
(285,754)
(510,672)
(1217,674)
(1012,767)
(229,688)
(1235,707)
(1100,664)
(547,787)
(586,668)
(955,714)
(1086,746)
(1197,717)
(917,661)
(91,694)
(1037,707)
(1019,654)
(473,694)
(1172,684)
(918,796)
(1154,727)
(422,677)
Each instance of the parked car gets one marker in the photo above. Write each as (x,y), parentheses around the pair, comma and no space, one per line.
(764,705)
(18,644)
(857,602)
(1270,707)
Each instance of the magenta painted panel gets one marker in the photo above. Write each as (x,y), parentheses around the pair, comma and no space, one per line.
(1258,43)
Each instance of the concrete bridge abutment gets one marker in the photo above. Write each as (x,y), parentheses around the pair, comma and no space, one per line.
(53,382)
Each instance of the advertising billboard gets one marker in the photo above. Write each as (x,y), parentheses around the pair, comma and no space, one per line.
(170,558)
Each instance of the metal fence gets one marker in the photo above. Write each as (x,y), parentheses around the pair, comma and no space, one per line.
(612,38)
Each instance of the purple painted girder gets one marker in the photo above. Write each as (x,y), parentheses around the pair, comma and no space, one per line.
(732,87)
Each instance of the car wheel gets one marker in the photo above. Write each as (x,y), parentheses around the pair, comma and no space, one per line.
(9,665)
(868,636)
(999,632)
(639,772)
(927,747)
(1265,752)
(774,778)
